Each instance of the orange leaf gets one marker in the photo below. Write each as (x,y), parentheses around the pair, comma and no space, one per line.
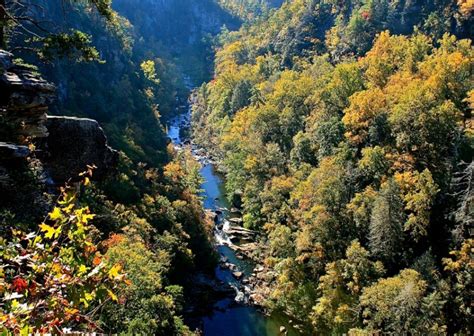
(97,260)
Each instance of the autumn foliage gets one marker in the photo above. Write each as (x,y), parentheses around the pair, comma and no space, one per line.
(345,165)
(56,278)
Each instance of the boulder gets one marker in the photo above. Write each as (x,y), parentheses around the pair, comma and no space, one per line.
(72,145)
(230,266)
(245,248)
(238,275)
(235,211)
(236,220)
(240,232)
(5,60)
(223,259)
(213,215)
(257,299)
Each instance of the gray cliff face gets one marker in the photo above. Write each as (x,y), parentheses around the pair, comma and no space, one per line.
(72,145)
(65,145)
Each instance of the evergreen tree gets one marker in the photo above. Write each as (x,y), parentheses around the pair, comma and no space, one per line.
(386,224)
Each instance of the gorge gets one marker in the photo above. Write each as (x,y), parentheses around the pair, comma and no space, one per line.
(233,315)
(236,167)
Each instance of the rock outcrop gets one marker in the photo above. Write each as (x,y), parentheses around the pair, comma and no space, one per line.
(37,151)
(240,232)
(67,145)
(24,100)
(72,145)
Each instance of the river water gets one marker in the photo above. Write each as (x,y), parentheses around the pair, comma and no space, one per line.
(230,317)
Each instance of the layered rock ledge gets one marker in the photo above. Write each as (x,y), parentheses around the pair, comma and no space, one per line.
(24,100)
(39,152)
(65,145)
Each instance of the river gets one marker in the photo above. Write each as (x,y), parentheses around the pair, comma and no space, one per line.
(229,317)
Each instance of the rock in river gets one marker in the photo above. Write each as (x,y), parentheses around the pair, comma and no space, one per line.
(238,275)
(236,220)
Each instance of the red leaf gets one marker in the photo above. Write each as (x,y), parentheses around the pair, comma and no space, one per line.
(19,285)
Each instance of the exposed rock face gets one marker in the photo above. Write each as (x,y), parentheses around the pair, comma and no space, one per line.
(24,100)
(11,156)
(240,232)
(72,144)
(65,145)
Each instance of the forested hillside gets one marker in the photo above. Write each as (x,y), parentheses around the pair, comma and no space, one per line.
(139,71)
(250,10)
(342,131)
(346,130)
(185,31)
(106,250)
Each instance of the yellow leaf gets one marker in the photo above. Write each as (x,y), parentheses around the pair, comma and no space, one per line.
(56,268)
(86,299)
(26,330)
(112,295)
(68,209)
(87,181)
(86,218)
(68,198)
(55,214)
(50,231)
(114,271)
(71,311)
(82,269)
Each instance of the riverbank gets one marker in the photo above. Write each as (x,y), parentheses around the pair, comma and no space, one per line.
(227,304)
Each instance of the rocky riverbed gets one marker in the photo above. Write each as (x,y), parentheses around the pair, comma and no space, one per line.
(230,303)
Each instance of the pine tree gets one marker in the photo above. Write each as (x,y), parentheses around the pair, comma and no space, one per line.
(386,223)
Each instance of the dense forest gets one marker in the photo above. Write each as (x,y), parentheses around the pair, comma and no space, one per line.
(345,128)
(94,252)
(250,10)
(342,129)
